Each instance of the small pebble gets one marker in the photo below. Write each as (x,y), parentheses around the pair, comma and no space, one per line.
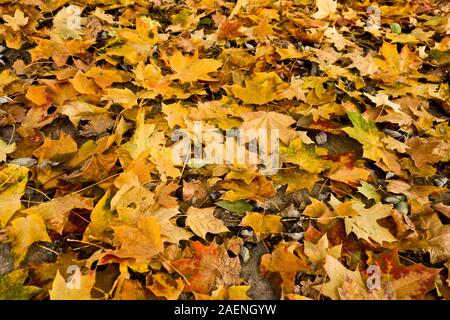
(389,175)
(392,200)
(245,254)
(297,236)
(321,137)
(402,207)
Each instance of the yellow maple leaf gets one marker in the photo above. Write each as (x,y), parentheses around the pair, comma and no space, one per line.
(80,290)
(140,243)
(365,225)
(262,120)
(191,68)
(306,156)
(19,20)
(261,88)
(13,179)
(259,189)
(163,285)
(24,232)
(169,230)
(263,224)
(56,150)
(202,221)
(56,212)
(317,252)
(325,8)
(283,261)
(6,148)
(337,273)
(58,49)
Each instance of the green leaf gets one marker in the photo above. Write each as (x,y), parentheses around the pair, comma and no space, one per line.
(12,288)
(369,191)
(367,134)
(238,206)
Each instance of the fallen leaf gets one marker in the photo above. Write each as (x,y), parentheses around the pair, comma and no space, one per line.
(365,225)
(283,261)
(56,212)
(262,224)
(13,179)
(191,68)
(202,221)
(163,285)
(24,232)
(141,243)
(62,291)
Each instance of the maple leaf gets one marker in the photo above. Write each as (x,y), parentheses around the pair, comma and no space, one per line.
(139,42)
(325,8)
(369,191)
(367,134)
(201,269)
(129,289)
(164,161)
(352,290)
(38,95)
(58,49)
(438,238)
(131,193)
(176,114)
(259,189)
(124,97)
(382,99)
(163,195)
(286,263)
(347,171)
(62,291)
(87,127)
(365,225)
(260,89)
(267,121)
(24,232)
(138,144)
(191,68)
(56,212)
(5,149)
(106,77)
(19,20)
(77,110)
(13,179)
(338,274)
(202,221)
(56,150)
(169,231)
(263,225)
(296,179)
(64,22)
(411,282)
(140,243)
(163,285)
(305,156)
(100,218)
(394,62)
(238,293)
(318,252)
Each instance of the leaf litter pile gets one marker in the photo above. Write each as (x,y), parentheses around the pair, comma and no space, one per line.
(94,206)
